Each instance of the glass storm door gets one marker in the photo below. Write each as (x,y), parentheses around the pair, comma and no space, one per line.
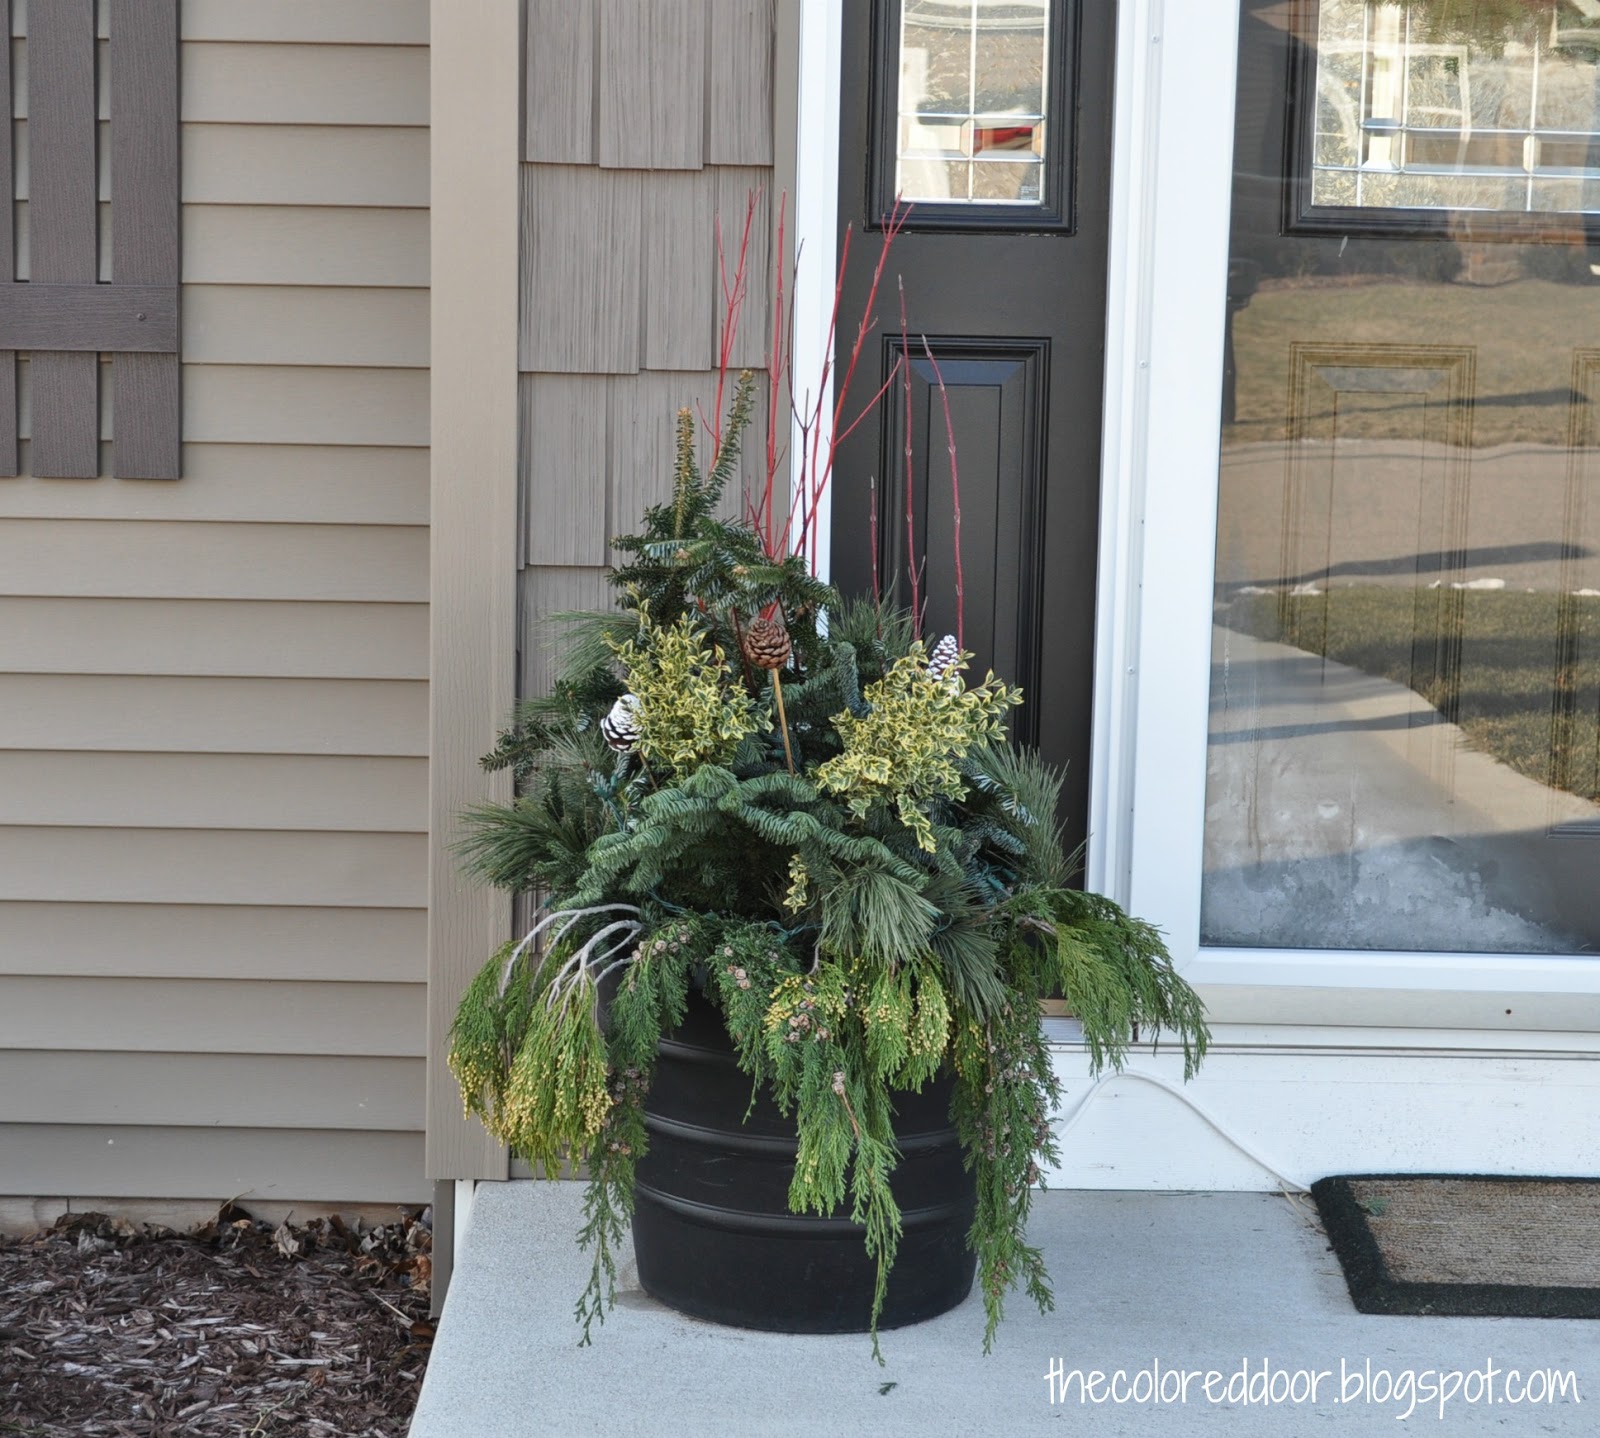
(1404,747)
(992,118)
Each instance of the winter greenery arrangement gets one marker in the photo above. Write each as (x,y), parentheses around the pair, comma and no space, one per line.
(745,784)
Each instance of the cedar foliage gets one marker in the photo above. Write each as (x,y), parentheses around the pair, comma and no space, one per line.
(896,904)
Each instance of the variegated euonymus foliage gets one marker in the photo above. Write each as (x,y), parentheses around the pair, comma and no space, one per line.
(827,832)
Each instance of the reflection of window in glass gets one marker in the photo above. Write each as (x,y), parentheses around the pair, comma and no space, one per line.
(971,107)
(1428,106)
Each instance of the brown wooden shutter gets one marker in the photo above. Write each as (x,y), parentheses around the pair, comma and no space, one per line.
(62,315)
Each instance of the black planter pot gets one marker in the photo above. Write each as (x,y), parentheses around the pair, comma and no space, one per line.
(712,1231)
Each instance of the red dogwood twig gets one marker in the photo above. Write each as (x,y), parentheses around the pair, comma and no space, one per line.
(817,463)
(816,459)
(733,294)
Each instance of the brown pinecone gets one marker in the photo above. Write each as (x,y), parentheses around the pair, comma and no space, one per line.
(766,643)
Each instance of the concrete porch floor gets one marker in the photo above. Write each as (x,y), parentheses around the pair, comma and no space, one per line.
(1186,1281)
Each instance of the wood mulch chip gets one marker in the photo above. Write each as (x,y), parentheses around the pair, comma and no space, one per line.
(110,1329)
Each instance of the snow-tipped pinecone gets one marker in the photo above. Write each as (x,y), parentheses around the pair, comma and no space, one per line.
(942,662)
(766,643)
(621,726)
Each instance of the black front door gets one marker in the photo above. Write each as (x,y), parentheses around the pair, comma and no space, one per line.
(993,118)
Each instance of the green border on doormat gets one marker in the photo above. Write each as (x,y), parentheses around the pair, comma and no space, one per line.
(1374,1289)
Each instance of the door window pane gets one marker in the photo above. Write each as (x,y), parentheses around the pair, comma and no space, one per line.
(1405,710)
(971,101)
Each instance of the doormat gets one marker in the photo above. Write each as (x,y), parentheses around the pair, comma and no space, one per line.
(1463,1245)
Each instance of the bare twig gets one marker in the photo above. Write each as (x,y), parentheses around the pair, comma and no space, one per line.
(955,489)
(562,920)
(912,568)
(579,965)
(872,540)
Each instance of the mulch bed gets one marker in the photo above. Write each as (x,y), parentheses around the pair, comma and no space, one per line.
(110,1329)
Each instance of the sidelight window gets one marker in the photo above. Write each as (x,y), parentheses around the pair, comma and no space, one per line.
(1404,742)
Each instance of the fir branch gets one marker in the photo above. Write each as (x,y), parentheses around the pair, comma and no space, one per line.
(1027,792)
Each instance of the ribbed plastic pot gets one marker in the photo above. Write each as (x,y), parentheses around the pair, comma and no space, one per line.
(712,1232)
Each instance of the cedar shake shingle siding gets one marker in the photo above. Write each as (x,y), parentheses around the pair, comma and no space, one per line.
(643,123)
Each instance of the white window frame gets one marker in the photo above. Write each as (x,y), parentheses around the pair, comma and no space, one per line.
(1170,202)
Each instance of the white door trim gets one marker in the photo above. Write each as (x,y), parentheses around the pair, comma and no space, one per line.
(815,222)
(1299,1106)
(1172,188)
(1124,451)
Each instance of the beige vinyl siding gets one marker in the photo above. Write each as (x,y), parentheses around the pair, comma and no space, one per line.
(344,793)
(241,1016)
(297,483)
(367,22)
(305,325)
(274,245)
(213,691)
(290,164)
(184,714)
(301,868)
(307,639)
(180,1161)
(199,559)
(205,1090)
(260,84)
(303,404)
(241,941)
(281,404)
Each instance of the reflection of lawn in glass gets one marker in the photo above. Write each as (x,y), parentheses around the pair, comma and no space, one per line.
(1524,334)
(1506,677)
